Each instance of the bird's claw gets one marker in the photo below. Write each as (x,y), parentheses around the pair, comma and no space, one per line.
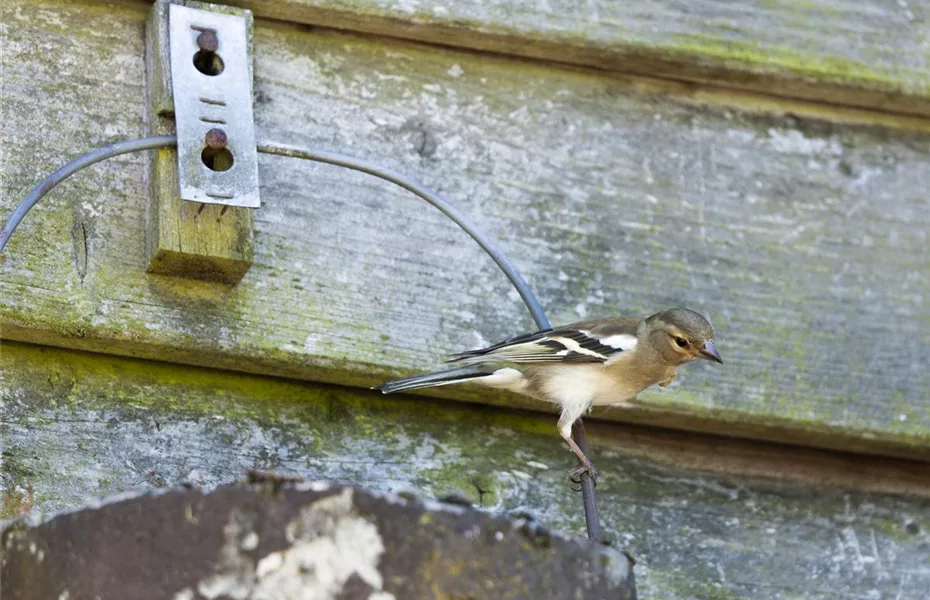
(667,382)
(586,467)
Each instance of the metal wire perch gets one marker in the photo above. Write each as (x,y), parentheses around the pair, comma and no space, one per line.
(460,218)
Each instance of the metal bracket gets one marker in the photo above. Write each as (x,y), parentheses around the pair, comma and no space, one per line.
(201,239)
(212,89)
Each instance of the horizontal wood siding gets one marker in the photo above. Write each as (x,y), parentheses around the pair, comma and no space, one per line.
(697,520)
(805,241)
(867,53)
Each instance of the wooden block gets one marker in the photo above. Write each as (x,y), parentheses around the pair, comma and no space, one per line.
(186,239)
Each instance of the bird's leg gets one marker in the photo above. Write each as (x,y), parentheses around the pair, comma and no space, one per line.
(668,381)
(586,466)
(565,430)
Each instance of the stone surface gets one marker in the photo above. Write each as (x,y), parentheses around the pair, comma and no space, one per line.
(300,540)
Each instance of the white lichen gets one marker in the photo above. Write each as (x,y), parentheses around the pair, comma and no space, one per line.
(329,544)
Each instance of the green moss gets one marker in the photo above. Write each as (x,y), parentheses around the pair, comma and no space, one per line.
(797,62)
(73,379)
(13,468)
(802,6)
(496,459)
(690,585)
(474,485)
(584,42)
(185,321)
(411,438)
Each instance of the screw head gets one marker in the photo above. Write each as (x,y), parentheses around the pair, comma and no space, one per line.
(216,139)
(207,41)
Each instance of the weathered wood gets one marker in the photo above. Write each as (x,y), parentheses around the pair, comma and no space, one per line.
(805,241)
(867,53)
(77,425)
(300,541)
(185,239)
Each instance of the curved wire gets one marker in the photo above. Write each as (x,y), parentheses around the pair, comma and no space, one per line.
(460,218)
(86,160)
(166,141)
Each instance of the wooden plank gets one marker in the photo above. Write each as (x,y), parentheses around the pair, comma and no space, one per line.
(185,239)
(805,241)
(865,53)
(78,425)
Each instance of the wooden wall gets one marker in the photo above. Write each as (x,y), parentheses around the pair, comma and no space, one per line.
(765,163)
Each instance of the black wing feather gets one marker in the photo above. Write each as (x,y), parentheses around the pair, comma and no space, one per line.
(543,347)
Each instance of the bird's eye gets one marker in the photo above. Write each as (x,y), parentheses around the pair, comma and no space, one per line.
(682,342)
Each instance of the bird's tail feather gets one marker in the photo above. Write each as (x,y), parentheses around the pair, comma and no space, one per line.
(434,379)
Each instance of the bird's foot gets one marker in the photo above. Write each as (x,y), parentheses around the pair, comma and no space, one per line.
(667,382)
(586,467)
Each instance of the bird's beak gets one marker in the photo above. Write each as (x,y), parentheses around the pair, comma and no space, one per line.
(709,352)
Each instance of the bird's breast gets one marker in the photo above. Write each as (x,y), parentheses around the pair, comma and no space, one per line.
(627,378)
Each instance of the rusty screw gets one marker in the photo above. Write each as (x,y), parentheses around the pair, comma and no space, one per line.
(206,59)
(207,41)
(216,139)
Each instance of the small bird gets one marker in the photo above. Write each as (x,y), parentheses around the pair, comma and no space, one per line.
(577,366)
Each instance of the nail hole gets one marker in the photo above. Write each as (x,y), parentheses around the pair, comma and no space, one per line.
(217,159)
(208,63)
(912,528)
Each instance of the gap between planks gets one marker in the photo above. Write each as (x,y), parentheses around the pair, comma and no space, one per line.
(784,433)
(652,69)
(698,452)
(761,459)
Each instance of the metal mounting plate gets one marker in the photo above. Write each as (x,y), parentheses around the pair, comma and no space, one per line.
(203,102)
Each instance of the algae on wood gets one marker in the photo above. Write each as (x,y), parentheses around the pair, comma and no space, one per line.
(805,241)
(76,425)
(867,53)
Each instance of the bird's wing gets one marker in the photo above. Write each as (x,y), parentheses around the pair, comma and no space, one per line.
(583,342)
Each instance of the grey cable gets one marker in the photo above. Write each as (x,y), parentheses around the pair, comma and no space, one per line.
(460,218)
(591,518)
(81,162)
(592,521)
(166,141)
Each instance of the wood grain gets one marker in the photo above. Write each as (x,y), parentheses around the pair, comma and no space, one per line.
(78,425)
(185,239)
(865,53)
(805,241)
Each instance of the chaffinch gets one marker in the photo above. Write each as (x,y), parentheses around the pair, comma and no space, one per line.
(584,364)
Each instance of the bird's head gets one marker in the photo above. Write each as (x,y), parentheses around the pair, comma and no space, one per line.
(681,335)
